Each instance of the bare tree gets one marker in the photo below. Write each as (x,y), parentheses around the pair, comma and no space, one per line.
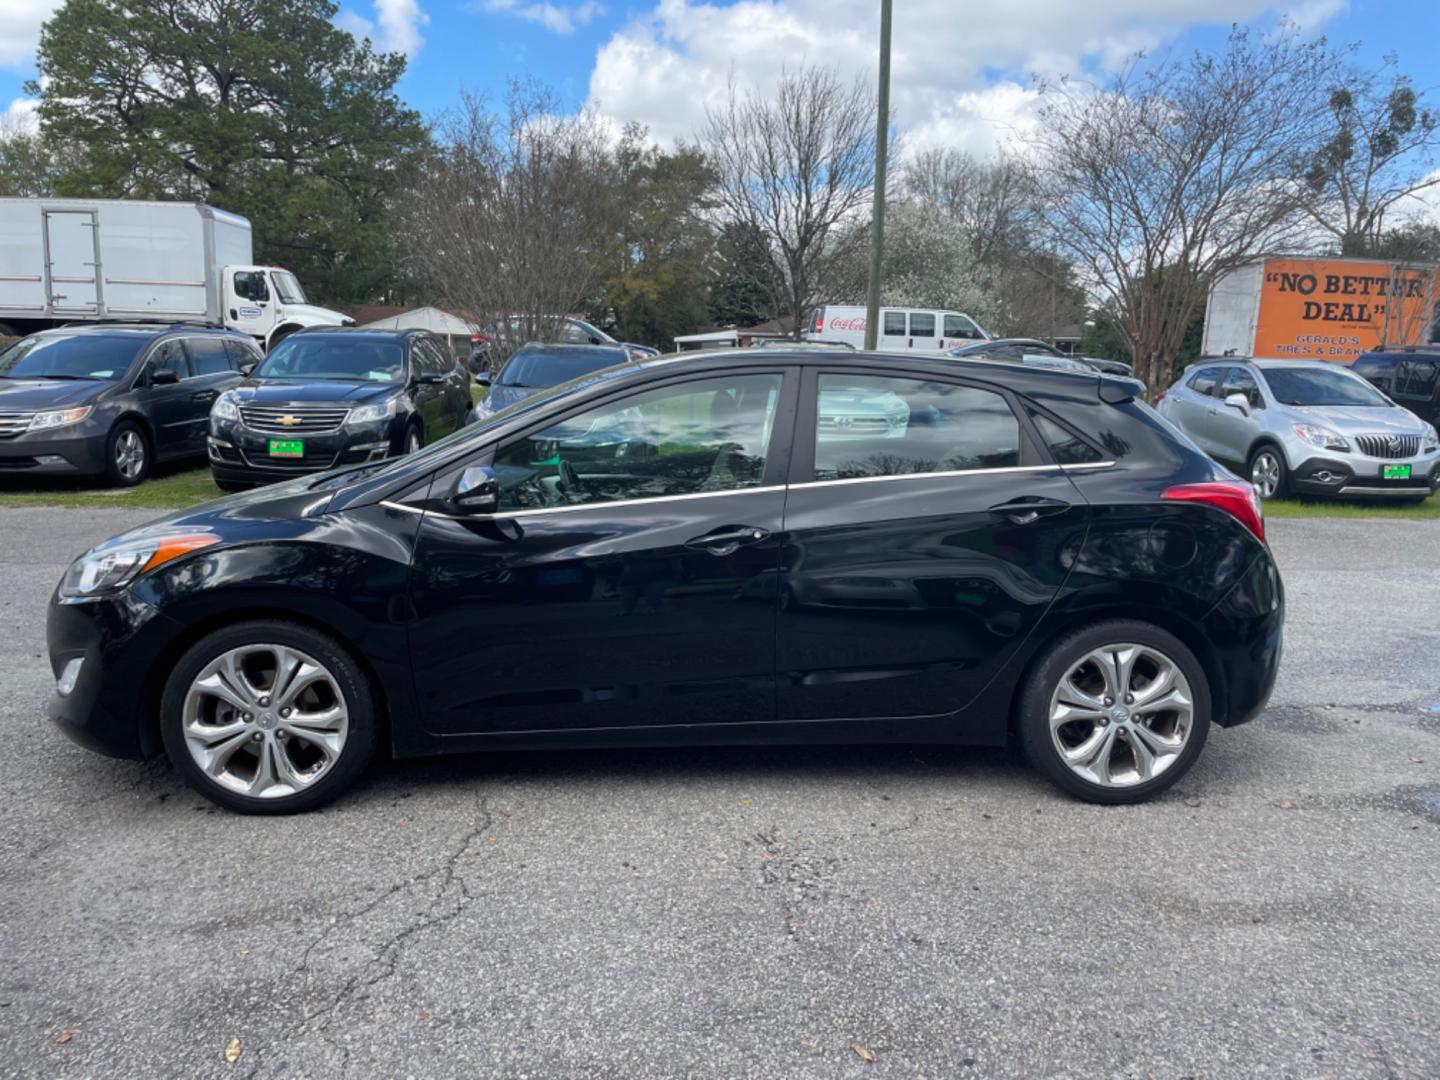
(798,167)
(1380,151)
(1177,172)
(512,213)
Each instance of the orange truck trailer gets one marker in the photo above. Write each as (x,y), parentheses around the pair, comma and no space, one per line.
(1288,308)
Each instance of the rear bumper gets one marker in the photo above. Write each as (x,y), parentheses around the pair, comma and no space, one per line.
(1247,629)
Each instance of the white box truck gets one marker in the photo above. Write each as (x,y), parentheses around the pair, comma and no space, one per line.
(76,260)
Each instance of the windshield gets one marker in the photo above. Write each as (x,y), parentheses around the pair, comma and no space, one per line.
(537,369)
(334,356)
(287,288)
(71,356)
(1312,386)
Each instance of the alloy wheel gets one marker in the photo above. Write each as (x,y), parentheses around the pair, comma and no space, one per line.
(130,454)
(412,441)
(1265,473)
(265,720)
(1121,715)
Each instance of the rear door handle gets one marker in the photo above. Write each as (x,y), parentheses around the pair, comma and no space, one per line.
(1026,510)
(728,540)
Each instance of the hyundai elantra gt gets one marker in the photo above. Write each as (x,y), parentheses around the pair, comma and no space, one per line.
(758,546)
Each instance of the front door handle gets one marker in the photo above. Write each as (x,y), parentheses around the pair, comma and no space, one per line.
(727,541)
(203,395)
(1024,511)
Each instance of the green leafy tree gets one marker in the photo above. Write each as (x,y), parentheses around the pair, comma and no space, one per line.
(741,275)
(261,108)
(656,288)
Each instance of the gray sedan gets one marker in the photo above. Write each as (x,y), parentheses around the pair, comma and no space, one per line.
(1307,428)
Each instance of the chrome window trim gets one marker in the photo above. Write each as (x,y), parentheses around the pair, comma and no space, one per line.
(407,509)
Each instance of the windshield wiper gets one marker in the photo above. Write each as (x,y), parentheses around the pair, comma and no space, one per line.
(88,378)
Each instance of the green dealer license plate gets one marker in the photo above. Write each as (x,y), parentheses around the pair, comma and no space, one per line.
(287,448)
(1395,472)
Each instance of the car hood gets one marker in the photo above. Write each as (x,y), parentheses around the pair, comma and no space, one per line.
(501,397)
(1361,418)
(319,392)
(29,395)
(313,316)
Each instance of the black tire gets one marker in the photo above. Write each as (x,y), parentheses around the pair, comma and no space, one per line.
(1276,455)
(1056,662)
(121,469)
(6,330)
(359,700)
(413,440)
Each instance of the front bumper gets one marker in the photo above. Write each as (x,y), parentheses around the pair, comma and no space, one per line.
(73,452)
(118,642)
(1352,476)
(240,455)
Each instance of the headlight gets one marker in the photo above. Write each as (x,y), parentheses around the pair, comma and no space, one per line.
(366,414)
(107,568)
(43,421)
(1431,440)
(226,407)
(1321,437)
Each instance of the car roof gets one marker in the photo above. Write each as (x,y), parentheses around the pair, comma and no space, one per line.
(560,347)
(362,331)
(137,329)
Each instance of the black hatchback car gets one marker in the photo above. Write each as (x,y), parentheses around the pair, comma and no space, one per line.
(756,546)
(329,397)
(113,399)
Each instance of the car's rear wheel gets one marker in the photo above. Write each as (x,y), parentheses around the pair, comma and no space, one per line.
(1115,712)
(1268,472)
(127,454)
(268,718)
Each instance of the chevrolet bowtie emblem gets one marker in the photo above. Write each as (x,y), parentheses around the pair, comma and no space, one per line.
(288,421)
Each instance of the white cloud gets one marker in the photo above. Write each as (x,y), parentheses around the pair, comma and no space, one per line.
(558,18)
(395,28)
(955,79)
(20,22)
(20,117)
(1311,14)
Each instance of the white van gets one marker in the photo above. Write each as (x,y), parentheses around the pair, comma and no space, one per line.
(921,329)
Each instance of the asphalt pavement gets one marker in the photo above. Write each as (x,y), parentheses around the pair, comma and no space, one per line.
(762,913)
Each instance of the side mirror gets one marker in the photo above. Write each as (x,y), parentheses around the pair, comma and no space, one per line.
(429,378)
(483,378)
(248,366)
(596,340)
(477,491)
(1238,401)
(164,377)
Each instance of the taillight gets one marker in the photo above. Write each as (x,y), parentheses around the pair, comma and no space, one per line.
(819,321)
(1159,397)
(1236,497)
(478,339)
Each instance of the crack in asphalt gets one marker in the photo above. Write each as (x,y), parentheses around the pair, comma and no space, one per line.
(444,905)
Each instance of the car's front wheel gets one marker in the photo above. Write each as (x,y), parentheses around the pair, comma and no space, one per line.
(127,454)
(268,718)
(1268,472)
(1115,712)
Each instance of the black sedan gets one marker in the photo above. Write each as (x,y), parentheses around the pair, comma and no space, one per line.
(113,399)
(324,398)
(694,553)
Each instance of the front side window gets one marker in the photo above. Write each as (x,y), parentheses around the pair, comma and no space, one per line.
(875,425)
(337,356)
(169,356)
(573,333)
(208,356)
(922,324)
(895,323)
(958,326)
(250,285)
(1416,378)
(703,436)
(1240,381)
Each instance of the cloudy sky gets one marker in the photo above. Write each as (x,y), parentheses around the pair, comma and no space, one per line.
(962,68)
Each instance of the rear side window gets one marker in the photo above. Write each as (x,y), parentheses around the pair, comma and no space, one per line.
(922,324)
(1203,381)
(1065,446)
(895,323)
(208,355)
(874,425)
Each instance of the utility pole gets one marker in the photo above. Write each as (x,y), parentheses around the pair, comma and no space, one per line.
(877,213)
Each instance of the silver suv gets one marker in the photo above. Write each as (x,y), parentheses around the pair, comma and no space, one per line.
(1305,428)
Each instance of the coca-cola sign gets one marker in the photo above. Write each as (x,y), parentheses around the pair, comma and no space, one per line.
(848,324)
